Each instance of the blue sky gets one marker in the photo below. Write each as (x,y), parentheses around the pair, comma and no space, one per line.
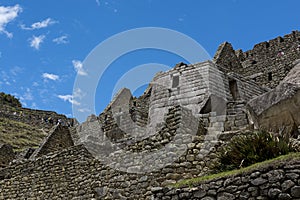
(43,43)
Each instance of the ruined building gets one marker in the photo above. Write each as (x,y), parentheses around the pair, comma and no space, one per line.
(138,146)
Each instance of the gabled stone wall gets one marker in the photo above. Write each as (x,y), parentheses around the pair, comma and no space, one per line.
(267,63)
(58,139)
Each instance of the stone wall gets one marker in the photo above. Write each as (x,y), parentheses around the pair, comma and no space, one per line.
(187,85)
(200,87)
(6,155)
(279,180)
(58,139)
(33,117)
(74,173)
(137,146)
(125,115)
(267,63)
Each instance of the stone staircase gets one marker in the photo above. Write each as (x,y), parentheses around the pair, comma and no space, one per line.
(215,129)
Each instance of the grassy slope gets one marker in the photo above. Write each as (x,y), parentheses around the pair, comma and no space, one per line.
(199,180)
(20,135)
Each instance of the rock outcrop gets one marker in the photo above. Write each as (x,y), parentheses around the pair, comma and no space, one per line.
(279,109)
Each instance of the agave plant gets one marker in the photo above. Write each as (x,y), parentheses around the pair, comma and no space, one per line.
(249,148)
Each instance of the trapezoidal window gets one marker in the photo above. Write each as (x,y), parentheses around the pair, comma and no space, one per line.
(234,89)
(175,81)
(270,76)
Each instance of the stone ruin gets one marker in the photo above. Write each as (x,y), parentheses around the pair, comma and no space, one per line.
(6,155)
(138,146)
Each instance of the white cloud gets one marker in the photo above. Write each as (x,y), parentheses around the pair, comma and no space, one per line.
(8,14)
(36,41)
(78,93)
(50,76)
(5,77)
(69,98)
(33,105)
(61,40)
(98,2)
(16,70)
(27,95)
(79,67)
(38,25)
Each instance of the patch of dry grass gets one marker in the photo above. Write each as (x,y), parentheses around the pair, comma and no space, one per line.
(20,135)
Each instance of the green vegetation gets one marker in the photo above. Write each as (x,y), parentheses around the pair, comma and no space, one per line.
(195,181)
(247,152)
(8,99)
(20,135)
(246,149)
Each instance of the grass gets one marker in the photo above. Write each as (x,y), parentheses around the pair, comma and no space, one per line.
(198,180)
(20,135)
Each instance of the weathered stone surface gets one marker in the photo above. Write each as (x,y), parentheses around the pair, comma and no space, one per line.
(273,192)
(244,195)
(58,139)
(279,108)
(6,155)
(225,196)
(264,64)
(284,196)
(258,181)
(295,191)
(257,184)
(200,193)
(287,185)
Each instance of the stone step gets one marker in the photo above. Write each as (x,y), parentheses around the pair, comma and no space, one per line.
(215,129)
(217,124)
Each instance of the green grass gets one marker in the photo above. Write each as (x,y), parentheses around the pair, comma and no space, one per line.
(20,135)
(198,180)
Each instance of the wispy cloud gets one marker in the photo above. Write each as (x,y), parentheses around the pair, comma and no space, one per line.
(10,76)
(36,41)
(61,40)
(8,14)
(26,97)
(16,70)
(38,25)
(98,2)
(69,98)
(50,76)
(84,110)
(78,93)
(5,78)
(79,67)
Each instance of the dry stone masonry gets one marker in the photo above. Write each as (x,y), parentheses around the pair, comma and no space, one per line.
(137,147)
(280,181)
(267,63)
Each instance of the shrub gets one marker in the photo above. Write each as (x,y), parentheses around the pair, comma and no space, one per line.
(247,149)
(8,99)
